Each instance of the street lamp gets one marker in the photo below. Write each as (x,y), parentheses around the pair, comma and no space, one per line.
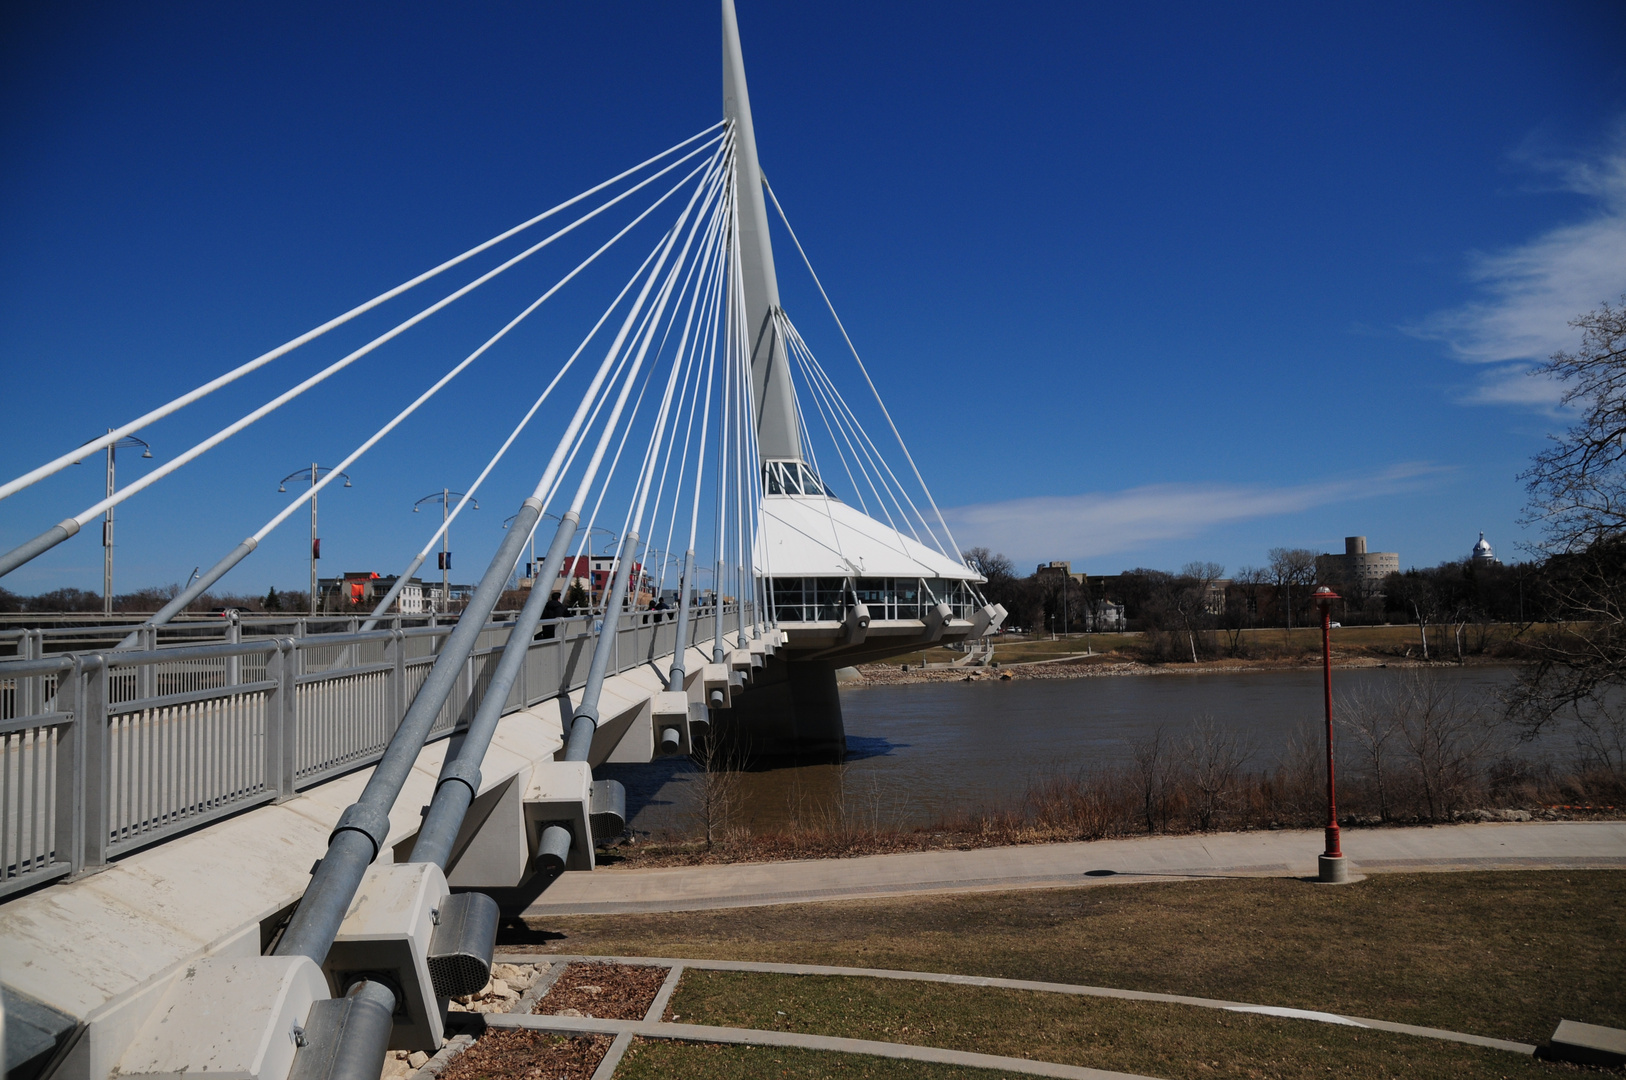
(1332,867)
(311,476)
(445,495)
(129,442)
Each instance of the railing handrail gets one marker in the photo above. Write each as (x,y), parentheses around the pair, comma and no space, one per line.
(91,699)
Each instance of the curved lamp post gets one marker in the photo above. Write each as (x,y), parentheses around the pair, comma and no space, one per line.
(311,476)
(445,495)
(1332,867)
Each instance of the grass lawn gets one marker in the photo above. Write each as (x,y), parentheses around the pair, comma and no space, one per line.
(664,1060)
(1504,954)
(1172,1041)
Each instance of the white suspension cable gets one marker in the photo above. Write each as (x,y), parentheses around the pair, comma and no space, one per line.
(178,403)
(821,379)
(552,471)
(700,272)
(227,432)
(879,457)
(454,372)
(896,434)
(699,398)
(708,187)
(818,401)
(474,487)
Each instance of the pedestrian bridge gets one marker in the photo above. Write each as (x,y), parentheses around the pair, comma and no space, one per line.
(265,847)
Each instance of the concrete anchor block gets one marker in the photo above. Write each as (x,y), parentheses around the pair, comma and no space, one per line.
(672,713)
(490,851)
(387,932)
(626,734)
(1588,1044)
(699,718)
(561,793)
(716,679)
(228,1019)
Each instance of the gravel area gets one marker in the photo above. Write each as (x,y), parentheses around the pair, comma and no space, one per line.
(501,992)
(604,991)
(515,1054)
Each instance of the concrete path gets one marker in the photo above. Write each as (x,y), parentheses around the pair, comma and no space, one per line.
(626,1030)
(1517,846)
(677,966)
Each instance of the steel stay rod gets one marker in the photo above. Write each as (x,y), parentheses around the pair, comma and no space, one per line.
(459,780)
(243,550)
(363,828)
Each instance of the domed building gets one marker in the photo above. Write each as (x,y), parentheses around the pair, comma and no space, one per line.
(1482,554)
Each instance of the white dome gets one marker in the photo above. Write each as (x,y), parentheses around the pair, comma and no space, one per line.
(1482,550)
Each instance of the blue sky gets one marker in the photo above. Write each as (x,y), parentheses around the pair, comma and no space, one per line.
(1141,283)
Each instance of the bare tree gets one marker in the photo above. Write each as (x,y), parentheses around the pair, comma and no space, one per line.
(1369,718)
(1291,568)
(1578,486)
(1445,738)
(1577,493)
(1242,603)
(716,790)
(1151,776)
(1212,758)
(1191,598)
(991,563)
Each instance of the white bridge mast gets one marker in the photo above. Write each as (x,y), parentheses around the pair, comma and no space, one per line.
(778,434)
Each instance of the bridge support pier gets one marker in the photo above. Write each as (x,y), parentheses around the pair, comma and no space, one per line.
(789,711)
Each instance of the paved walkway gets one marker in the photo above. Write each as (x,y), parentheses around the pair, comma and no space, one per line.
(1517,846)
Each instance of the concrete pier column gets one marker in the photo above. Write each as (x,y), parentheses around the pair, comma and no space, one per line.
(791,711)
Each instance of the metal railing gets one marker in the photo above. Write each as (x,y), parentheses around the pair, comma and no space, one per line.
(104,753)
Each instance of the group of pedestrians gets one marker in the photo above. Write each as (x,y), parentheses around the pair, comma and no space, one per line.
(555,609)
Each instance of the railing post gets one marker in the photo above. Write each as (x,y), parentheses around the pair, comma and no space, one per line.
(234,636)
(67,838)
(281,719)
(146,675)
(31,689)
(90,717)
(395,654)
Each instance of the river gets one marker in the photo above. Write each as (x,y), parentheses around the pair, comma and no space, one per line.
(920,751)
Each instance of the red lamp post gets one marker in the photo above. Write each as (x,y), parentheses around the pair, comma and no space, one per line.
(1331,864)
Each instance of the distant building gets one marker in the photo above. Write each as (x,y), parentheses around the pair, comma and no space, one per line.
(1357,566)
(1058,569)
(361,590)
(592,573)
(1482,555)
(1104,616)
(410,600)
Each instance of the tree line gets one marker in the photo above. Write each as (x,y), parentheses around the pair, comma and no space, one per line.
(1209,611)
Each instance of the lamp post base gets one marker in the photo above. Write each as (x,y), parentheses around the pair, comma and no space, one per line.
(1334,870)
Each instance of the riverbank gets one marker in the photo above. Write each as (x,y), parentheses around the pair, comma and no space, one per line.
(982,832)
(1214,652)
(1096,665)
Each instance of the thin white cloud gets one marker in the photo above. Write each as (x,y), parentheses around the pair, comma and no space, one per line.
(1106,523)
(1532,291)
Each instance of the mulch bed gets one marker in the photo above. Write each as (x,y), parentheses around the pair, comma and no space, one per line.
(605,991)
(529,1055)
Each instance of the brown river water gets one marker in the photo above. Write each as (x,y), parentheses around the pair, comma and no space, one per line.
(918,752)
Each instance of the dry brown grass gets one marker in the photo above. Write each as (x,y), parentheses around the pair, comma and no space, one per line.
(1499,954)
